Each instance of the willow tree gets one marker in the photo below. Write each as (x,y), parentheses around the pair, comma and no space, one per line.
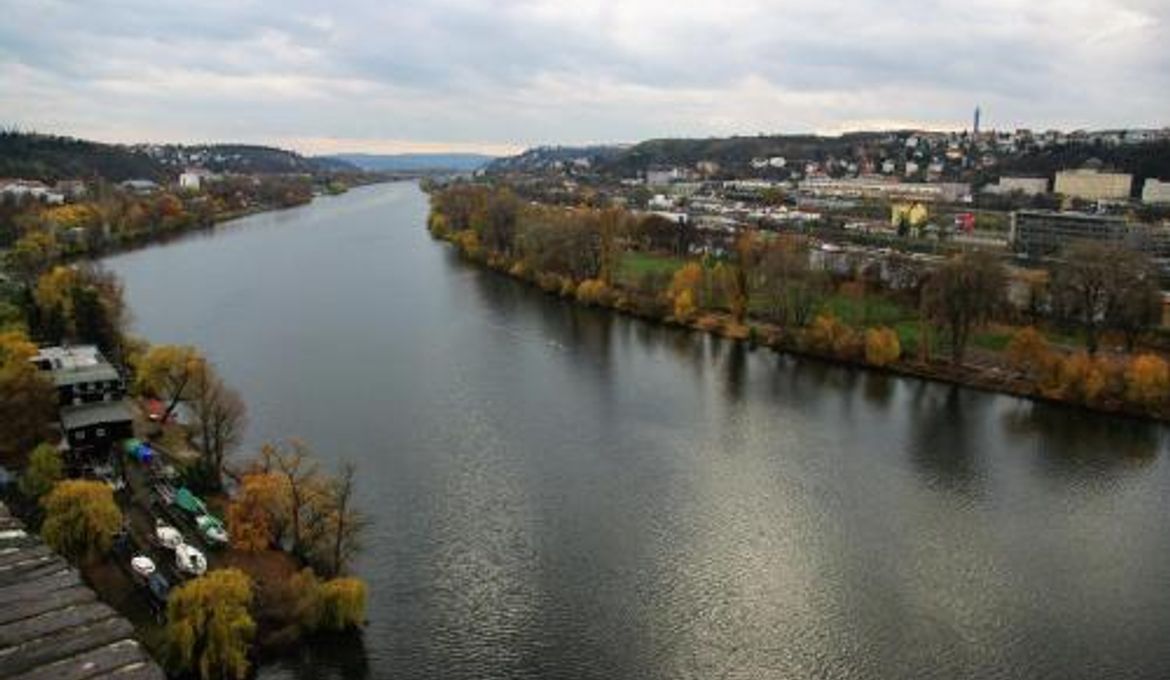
(209,628)
(81,519)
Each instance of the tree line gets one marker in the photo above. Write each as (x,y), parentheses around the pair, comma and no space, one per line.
(781,290)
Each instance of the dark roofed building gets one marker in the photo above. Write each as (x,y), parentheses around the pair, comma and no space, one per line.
(96,426)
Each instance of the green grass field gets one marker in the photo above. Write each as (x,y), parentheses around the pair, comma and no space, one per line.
(634,265)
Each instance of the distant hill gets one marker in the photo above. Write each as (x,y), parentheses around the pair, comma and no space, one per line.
(51,158)
(411,162)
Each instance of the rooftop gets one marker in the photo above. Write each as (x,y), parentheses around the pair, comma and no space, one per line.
(72,365)
(94,413)
(52,625)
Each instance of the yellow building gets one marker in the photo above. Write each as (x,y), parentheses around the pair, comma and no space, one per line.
(913,214)
(1092,185)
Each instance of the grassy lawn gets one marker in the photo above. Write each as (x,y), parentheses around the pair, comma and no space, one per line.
(634,265)
(995,338)
(869,310)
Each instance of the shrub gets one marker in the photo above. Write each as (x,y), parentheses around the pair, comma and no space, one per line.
(343,604)
(1147,380)
(43,471)
(593,292)
(882,347)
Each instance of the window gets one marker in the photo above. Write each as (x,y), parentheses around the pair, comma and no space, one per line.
(101,432)
(80,435)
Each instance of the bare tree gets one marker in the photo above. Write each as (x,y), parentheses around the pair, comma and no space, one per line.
(1101,286)
(300,474)
(346,523)
(963,293)
(220,417)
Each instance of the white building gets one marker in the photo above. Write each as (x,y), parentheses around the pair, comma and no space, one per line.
(192,179)
(1031,186)
(1155,191)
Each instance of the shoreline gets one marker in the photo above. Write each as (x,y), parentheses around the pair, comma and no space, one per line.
(151,238)
(772,337)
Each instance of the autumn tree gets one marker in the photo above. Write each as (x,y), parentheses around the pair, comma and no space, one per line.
(254,515)
(497,220)
(32,255)
(27,397)
(611,225)
(302,485)
(82,304)
(882,346)
(684,290)
(81,519)
(219,418)
(44,469)
(170,372)
(963,293)
(1103,286)
(1148,380)
(209,629)
(740,275)
(1031,354)
(343,604)
(790,289)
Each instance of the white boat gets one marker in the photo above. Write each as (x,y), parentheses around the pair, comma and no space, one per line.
(168,536)
(189,560)
(212,529)
(142,566)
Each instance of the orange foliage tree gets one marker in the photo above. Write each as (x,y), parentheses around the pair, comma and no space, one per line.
(253,517)
(1147,380)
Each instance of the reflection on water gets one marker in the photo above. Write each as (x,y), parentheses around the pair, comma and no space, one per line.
(561,492)
(1075,442)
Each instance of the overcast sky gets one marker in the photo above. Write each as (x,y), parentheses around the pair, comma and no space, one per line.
(379,75)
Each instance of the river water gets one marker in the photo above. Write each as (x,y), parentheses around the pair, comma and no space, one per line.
(560,492)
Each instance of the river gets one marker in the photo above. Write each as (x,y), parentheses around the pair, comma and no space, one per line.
(559,492)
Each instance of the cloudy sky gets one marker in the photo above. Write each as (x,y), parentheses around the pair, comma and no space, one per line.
(382,75)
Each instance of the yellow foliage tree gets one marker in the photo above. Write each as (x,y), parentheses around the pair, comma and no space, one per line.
(44,469)
(254,514)
(81,518)
(170,372)
(683,291)
(343,604)
(882,346)
(209,629)
(27,398)
(1147,380)
(592,291)
(54,291)
(830,335)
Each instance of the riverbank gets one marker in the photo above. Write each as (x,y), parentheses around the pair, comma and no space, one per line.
(990,375)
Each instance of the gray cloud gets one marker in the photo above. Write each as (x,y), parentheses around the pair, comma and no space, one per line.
(508,74)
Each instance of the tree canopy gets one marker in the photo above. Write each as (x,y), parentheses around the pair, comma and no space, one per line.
(81,518)
(209,628)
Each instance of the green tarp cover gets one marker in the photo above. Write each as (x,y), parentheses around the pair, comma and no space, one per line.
(190,502)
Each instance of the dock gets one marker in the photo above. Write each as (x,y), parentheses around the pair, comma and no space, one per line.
(52,625)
